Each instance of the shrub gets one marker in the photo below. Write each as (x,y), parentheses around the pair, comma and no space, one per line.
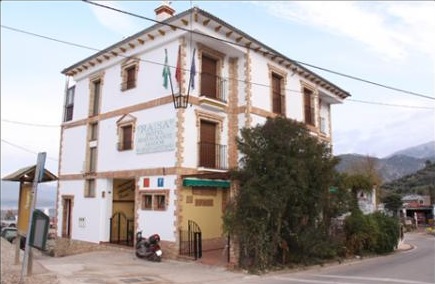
(388,233)
(371,233)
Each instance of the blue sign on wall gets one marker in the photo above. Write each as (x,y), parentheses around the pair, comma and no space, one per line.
(160,182)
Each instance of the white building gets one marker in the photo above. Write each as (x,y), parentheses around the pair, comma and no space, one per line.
(129,161)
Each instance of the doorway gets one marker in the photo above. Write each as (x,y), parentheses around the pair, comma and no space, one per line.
(122,219)
(67,204)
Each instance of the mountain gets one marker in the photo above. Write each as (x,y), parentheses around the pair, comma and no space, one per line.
(420,182)
(394,166)
(422,151)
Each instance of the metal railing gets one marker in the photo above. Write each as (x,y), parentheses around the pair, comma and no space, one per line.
(191,241)
(220,93)
(212,155)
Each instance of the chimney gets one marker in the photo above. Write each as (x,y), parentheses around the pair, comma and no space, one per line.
(164,11)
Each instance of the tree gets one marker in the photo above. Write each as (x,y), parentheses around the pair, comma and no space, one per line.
(393,202)
(284,179)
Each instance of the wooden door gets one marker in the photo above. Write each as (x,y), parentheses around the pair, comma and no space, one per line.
(208,77)
(66,217)
(208,144)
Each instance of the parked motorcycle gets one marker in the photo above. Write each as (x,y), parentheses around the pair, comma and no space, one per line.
(148,248)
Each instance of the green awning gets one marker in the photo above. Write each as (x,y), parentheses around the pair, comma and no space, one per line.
(206,182)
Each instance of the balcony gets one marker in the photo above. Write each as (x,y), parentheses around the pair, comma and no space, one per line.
(212,156)
(213,88)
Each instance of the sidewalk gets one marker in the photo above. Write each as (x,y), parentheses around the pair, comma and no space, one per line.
(125,267)
(113,266)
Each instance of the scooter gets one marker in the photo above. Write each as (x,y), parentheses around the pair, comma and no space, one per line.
(148,248)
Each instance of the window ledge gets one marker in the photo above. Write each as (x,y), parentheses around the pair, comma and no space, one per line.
(212,170)
(212,103)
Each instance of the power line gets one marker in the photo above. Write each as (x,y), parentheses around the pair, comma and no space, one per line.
(29,124)
(244,46)
(162,64)
(25,149)
(391,105)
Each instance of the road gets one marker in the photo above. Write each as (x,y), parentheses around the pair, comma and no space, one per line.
(416,266)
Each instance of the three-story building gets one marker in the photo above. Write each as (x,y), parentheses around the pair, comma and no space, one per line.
(130,161)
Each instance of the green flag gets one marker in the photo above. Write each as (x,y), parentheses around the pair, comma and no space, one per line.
(166,72)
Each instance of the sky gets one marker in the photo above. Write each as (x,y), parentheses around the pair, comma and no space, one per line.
(390,43)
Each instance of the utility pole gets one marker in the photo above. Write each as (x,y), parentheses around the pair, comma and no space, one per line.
(28,256)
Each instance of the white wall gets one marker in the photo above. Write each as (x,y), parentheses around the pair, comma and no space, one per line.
(159,222)
(110,159)
(72,160)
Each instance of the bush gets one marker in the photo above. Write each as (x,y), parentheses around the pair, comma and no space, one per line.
(371,233)
(388,233)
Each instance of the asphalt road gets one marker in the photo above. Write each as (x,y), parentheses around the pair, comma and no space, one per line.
(416,266)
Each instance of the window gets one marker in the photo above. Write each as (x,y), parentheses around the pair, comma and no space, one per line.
(92,159)
(209,77)
(129,74)
(90,188)
(125,131)
(212,86)
(160,202)
(207,144)
(69,104)
(147,202)
(277,96)
(210,153)
(95,97)
(309,107)
(131,77)
(126,142)
(156,200)
(93,129)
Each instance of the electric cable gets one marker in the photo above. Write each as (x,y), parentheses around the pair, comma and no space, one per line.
(25,149)
(186,70)
(28,123)
(265,52)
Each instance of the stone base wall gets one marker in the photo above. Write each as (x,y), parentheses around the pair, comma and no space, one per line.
(59,247)
(214,244)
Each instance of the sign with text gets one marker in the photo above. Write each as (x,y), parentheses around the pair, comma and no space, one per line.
(155,137)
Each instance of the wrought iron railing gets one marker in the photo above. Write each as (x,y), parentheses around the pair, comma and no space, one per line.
(212,155)
(191,241)
(220,93)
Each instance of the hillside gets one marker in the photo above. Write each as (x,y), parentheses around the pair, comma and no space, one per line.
(422,151)
(420,182)
(394,166)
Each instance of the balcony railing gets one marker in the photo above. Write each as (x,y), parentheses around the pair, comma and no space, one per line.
(213,156)
(214,87)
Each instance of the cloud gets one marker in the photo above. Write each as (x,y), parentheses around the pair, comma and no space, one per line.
(115,21)
(390,29)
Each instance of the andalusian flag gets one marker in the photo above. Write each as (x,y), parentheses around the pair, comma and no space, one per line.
(166,72)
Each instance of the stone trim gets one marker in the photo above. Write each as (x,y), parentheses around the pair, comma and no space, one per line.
(233,122)
(111,114)
(125,120)
(210,52)
(283,74)
(97,77)
(126,65)
(248,88)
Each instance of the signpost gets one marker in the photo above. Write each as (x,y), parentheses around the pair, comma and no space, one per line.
(28,257)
